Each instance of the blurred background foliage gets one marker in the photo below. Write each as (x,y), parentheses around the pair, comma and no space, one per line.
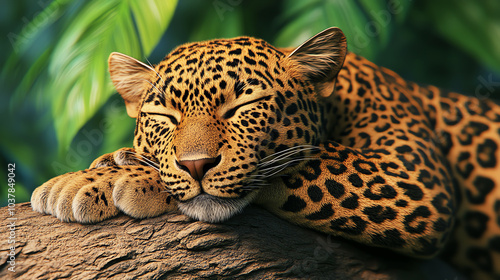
(58,103)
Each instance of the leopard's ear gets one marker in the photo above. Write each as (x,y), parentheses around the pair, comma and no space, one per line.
(130,77)
(320,59)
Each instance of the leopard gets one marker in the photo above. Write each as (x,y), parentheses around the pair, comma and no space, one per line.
(317,135)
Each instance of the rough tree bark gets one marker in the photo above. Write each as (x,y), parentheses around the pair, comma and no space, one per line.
(254,245)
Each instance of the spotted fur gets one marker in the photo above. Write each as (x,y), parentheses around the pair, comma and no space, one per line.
(319,136)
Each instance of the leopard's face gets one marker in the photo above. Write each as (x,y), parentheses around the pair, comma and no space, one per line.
(221,117)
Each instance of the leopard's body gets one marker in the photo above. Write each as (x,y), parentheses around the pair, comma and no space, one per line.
(320,137)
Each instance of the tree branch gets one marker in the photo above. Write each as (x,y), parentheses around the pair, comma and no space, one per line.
(255,244)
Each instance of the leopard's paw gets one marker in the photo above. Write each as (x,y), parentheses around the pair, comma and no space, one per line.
(94,203)
(44,198)
(83,196)
(143,196)
(93,195)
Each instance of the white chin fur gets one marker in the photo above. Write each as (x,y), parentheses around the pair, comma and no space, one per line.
(212,209)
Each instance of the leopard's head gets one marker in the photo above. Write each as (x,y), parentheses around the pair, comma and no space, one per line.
(223,116)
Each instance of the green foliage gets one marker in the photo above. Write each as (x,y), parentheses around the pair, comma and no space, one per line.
(471,25)
(74,69)
(232,27)
(367,24)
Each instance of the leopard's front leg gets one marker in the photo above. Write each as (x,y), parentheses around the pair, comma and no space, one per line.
(114,182)
(375,197)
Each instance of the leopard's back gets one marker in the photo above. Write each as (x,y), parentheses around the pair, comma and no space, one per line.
(464,133)
(469,134)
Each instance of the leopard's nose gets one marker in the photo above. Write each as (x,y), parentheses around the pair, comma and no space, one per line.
(199,167)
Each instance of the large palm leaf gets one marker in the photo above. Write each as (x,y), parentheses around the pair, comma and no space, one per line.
(367,24)
(70,75)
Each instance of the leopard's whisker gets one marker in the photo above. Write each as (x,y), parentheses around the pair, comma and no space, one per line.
(162,94)
(253,186)
(147,163)
(291,149)
(150,162)
(271,171)
(157,74)
(284,156)
(167,191)
(286,163)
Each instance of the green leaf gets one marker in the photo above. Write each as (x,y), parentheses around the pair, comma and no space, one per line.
(71,76)
(28,35)
(472,25)
(152,18)
(117,127)
(367,24)
(223,22)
